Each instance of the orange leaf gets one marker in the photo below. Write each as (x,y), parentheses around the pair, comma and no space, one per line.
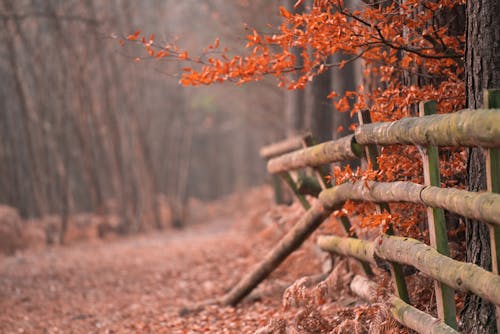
(332,95)
(286,14)
(134,36)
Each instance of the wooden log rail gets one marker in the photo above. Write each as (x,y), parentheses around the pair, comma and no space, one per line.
(480,205)
(465,128)
(282,147)
(461,276)
(405,314)
(343,149)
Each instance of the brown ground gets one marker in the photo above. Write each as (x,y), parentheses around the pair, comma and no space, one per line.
(139,284)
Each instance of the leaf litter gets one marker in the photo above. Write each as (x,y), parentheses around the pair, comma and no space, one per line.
(138,284)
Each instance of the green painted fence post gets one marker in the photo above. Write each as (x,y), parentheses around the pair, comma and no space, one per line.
(321,173)
(445,296)
(371,154)
(291,183)
(492,100)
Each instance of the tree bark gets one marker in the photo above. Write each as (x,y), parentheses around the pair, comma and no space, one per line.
(295,99)
(322,109)
(482,70)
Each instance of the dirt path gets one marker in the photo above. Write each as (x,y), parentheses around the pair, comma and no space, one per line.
(127,285)
(139,284)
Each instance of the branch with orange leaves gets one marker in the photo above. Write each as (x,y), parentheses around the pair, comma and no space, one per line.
(328,28)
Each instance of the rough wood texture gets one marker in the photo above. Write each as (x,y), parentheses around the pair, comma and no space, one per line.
(417,320)
(364,288)
(290,242)
(482,206)
(464,128)
(360,249)
(373,191)
(333,199)
(370,157)
(482,71)
(462,276)
(314,156)
(281,147)
(492,100)
(445,296)
(405,314)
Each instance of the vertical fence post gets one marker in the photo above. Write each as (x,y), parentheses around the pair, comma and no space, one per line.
(492,100)
(278,191)
(291,183)
(371,153)
(321,174)
(287,177)
(445,296)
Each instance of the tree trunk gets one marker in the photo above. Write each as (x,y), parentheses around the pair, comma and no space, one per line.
(321,118)
(482,70)
(294,99)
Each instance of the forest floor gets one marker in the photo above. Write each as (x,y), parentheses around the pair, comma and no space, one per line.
(139,284)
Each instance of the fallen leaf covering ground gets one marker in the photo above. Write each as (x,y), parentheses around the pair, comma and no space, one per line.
(139,284)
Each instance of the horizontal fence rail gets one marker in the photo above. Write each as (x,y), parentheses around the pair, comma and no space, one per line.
(462,276)
(282,147)
(315,156)
(463,128)
(467,128)
(481,206)
(407,315)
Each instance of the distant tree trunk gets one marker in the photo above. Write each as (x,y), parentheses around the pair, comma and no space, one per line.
(322,107)
(183,172)
(344,80)
(38,206)
(295,99)
(482,70)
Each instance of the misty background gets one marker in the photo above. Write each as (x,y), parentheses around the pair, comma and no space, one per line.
(84,128)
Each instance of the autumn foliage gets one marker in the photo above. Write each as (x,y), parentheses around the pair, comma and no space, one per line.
(409,54)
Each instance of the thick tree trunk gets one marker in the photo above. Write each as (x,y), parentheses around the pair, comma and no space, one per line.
(482,71)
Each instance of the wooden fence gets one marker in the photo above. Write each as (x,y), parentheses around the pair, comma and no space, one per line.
(467,128)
